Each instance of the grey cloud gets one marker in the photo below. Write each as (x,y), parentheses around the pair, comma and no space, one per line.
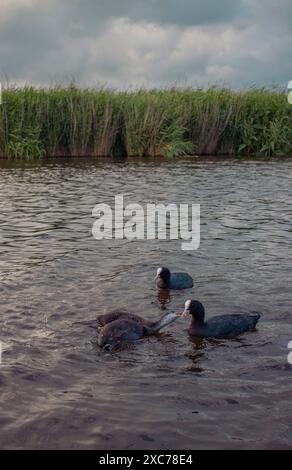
(188,12)
(129,42)
(182,12)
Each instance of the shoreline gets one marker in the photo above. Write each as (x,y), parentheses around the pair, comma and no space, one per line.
(6,162)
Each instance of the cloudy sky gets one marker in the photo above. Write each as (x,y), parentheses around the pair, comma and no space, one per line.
(124,43)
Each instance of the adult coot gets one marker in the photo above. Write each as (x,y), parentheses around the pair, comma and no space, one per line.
(121,327)
(223,326)
(166,280)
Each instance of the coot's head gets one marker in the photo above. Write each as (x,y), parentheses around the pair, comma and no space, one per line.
(162,277)
(106,341)
(194,308)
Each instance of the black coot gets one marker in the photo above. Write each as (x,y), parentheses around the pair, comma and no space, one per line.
(166,280)
(223,326)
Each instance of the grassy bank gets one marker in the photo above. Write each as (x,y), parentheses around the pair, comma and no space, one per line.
(173,122)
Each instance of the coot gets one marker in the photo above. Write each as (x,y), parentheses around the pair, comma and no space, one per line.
(121,327)
(166,280)
(222,326)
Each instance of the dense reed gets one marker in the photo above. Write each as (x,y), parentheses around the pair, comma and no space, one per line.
(70,121)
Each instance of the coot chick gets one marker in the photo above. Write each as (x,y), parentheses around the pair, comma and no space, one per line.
(102,320)
(166,280)
(122,327)
(222,326)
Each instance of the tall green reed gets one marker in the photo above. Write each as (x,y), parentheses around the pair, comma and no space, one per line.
(70,121)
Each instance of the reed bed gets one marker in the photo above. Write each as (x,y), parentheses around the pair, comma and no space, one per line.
(69,121)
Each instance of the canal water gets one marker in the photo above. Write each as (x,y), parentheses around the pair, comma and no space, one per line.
(59,390)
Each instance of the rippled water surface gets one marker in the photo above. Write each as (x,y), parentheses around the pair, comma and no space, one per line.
(58,390)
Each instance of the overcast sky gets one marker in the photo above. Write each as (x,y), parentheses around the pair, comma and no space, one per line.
(123,43)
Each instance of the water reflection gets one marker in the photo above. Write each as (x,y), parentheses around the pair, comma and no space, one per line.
(163,296)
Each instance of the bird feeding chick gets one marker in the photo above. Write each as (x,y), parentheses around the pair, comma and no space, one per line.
(221,326)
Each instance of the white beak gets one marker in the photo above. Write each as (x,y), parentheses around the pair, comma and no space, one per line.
(185,313)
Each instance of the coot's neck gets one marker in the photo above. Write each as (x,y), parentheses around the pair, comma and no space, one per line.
(162,283)
(197,321)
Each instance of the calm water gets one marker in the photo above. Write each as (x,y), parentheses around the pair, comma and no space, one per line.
(58,390)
